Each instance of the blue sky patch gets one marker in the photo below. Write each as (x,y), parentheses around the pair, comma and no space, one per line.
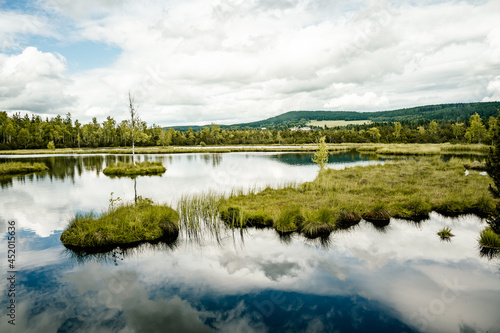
(82,55)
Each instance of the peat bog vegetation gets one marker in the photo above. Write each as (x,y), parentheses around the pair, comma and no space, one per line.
(21,168)
(406,189)
(123,225)
(135,169)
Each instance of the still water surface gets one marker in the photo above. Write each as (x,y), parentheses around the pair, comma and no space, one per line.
(402,278)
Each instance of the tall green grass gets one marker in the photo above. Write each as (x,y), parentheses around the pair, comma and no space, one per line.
(139,168)
(199,215)
(123,225)
(489,239)
(20,168)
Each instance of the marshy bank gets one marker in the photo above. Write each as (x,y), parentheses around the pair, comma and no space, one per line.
(373,148)
(406,189)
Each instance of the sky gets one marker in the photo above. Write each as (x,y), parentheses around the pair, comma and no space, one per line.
(198,62)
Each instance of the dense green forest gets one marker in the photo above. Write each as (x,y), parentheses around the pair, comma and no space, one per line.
(443,112)
(24,132)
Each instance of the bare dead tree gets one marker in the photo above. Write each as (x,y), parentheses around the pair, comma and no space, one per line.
(133,121)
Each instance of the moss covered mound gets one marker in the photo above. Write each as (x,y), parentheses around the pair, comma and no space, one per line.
(137,169)
(122,226)
(21,168)
(407,189)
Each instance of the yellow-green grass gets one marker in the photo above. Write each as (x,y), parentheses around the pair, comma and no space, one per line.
(488,239)
(424,149)
(337,123)
(445,233)
(20,168)
(139,168)
(125,225)
(407,189)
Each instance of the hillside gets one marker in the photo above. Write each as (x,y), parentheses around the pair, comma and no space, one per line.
(441,112)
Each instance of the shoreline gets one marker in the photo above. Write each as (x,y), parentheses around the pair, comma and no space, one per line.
(371,148)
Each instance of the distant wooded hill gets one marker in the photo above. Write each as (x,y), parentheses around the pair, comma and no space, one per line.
(442,112)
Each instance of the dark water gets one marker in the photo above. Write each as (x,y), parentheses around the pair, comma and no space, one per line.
(402,278)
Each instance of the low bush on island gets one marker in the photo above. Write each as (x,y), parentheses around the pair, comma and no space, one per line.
(406,189)
(123,225)
(137,169)
(21,168)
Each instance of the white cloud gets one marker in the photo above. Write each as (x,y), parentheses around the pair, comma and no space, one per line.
(236,61)
(33,80)
(369,99)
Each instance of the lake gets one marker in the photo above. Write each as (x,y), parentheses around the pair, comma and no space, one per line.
(401,278)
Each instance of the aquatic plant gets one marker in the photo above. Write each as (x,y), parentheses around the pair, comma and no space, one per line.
(122,225)
(445,233)
(489,239)
(199,214)
(19,168)
(135,169)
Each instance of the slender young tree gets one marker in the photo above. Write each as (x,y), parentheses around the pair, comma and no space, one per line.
(321,155)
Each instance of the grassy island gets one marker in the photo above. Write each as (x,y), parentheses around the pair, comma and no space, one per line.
(21,168)
(445,233)
(124,225)
(407,189)
(137,169)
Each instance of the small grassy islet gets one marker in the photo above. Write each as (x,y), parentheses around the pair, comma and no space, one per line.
(21,168)
(445,233)
(406,189)
(123,225)
(137,169)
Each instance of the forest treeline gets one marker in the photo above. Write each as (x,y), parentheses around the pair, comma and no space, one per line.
(440,112)
(25,132)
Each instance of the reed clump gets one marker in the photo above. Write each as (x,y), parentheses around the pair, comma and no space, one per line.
(135,169)
(489,239)
(21,168)
(122,225)
(445,233)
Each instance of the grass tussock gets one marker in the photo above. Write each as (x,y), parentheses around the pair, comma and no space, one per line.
(21,168)
(123,225)
(137,169)
(445,233)
(407,189)
(489,239)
